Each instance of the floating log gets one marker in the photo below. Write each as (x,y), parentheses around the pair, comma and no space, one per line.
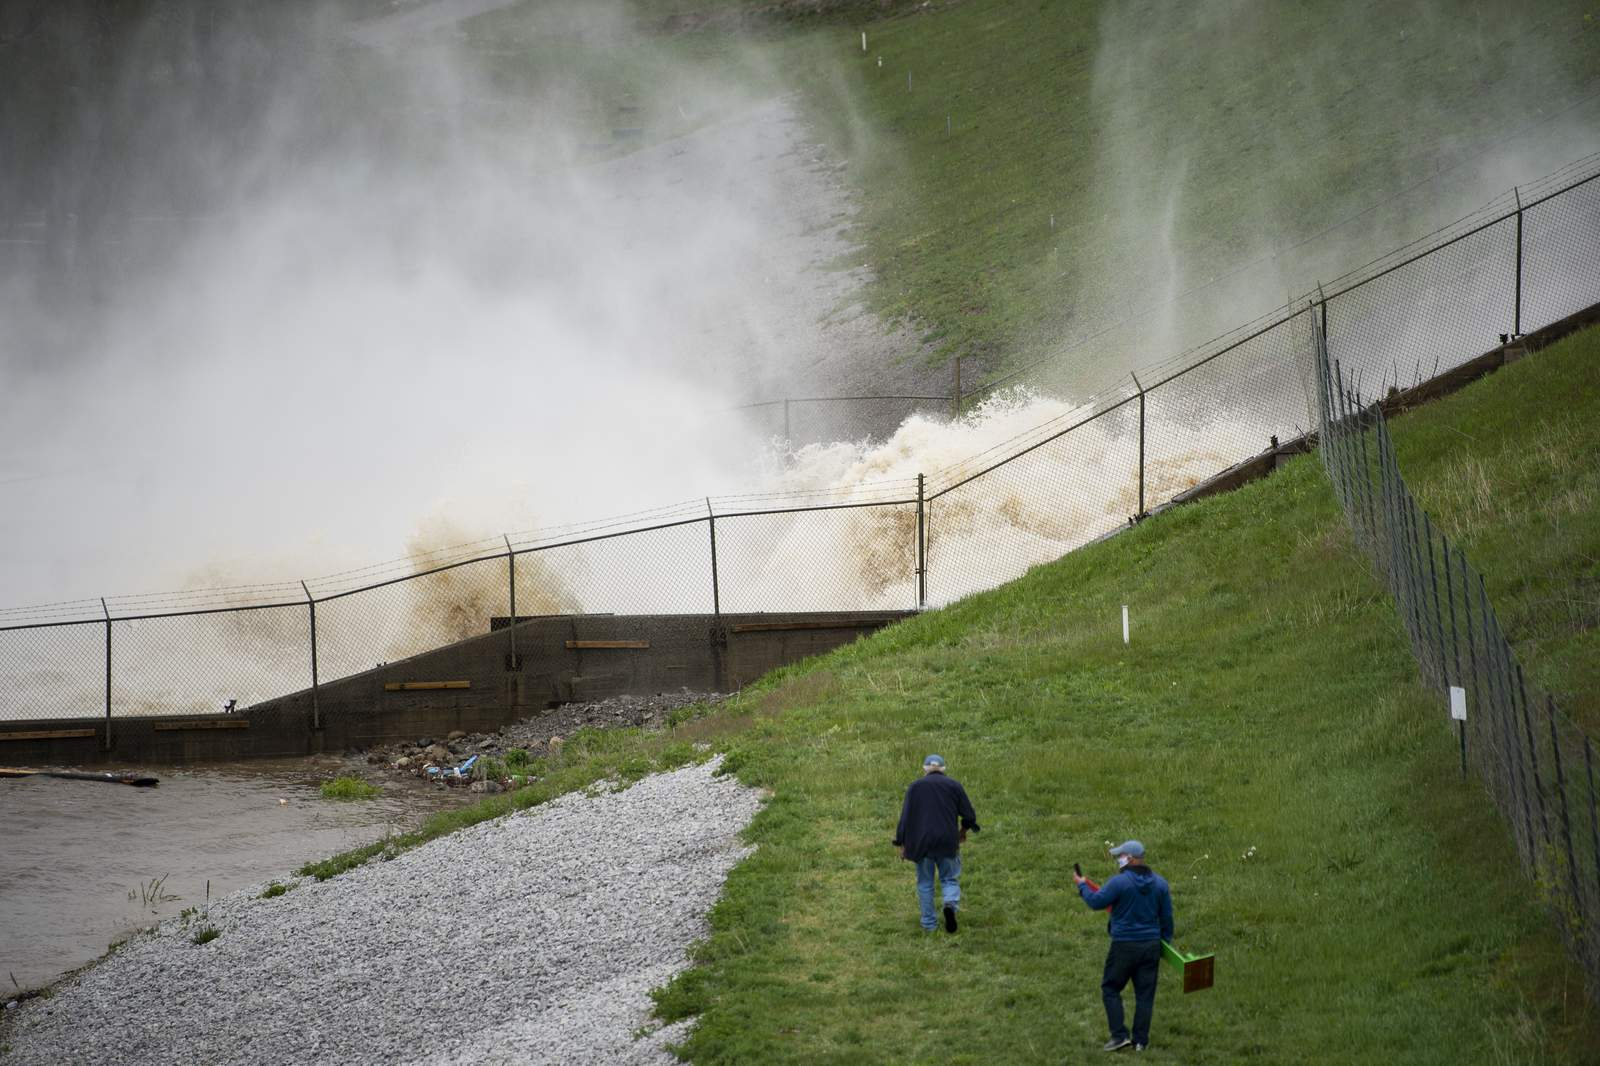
(82,775)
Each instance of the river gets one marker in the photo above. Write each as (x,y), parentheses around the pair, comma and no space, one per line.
(85,863)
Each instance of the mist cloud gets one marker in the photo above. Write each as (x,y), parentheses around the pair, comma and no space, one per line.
(318,290)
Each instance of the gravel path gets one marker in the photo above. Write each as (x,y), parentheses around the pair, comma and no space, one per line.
(534,938)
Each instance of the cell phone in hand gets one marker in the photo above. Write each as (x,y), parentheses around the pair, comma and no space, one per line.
(1077,869)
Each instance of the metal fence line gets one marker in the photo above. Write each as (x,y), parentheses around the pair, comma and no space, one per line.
(828,399)
(1273,319)
(1527,767)
(1035,446)
(906,542)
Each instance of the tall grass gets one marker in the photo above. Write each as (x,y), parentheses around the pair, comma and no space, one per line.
(349,788)
(1508,470)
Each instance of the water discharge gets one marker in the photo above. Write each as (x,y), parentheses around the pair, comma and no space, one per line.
(987,523)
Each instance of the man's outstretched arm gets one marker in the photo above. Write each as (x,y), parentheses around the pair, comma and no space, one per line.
(969,817)
(1099,901)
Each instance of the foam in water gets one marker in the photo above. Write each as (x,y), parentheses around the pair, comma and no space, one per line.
(980,534)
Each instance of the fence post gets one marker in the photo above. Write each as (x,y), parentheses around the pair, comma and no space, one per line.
(106,611)
(716,589)
(717,636)
(1438,615)
(1343,409)
(1391,520)
(1455,642)
(1350,433)
(1594,821)
(1519,774)
(1141,514)
(1408,526)
(1561,790)
(511,569)
(955,394)
(1533,751)
(316,702)
(1466,623)
(1366,477)
(1516,326)
(922,545)
(1415,564)
(1450,595)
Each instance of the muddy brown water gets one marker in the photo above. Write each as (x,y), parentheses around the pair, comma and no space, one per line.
(84,863)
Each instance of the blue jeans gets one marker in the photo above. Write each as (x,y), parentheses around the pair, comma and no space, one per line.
(949,878)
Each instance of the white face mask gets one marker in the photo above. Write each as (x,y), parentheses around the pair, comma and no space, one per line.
(1122,860)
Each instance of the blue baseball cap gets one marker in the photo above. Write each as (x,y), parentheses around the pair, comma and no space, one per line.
(934,760)
(1132,849)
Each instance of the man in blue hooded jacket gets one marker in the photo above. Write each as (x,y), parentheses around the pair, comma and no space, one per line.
(1141,918)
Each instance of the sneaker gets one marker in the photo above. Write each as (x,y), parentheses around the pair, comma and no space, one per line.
(1140,1047)
(949,919)
(1117,1043)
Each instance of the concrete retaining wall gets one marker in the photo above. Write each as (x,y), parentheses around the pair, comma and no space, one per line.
(473,685)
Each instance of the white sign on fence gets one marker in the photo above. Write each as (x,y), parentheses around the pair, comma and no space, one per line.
(1458,703)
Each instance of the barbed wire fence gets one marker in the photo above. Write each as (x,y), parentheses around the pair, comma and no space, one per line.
(1537,765)
(1530,259)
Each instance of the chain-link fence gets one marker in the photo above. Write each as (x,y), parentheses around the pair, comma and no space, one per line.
(1029,491)
(1537,765)
(802,420)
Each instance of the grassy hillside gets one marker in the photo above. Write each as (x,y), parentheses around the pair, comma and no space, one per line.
(1028,173)
(1170,143)
(1264,734)
(1508,470)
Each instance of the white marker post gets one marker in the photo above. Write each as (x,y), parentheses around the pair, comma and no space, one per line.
(1124,623)
(863,40)
(1458,714)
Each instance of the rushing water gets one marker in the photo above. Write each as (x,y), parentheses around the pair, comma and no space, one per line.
(84,863)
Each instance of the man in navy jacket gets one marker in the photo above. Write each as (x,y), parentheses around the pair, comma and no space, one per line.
(933,822)
(1141,918)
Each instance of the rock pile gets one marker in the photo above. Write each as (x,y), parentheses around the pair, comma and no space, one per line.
(538,736)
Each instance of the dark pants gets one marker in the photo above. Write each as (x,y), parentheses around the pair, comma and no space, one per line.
(1139,960)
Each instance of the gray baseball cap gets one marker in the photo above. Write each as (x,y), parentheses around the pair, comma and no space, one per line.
(1131,848)
(934,760)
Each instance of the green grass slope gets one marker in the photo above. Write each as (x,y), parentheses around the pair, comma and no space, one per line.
(1264,734)
(1029,172)
(1159,134)
(1508,470)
